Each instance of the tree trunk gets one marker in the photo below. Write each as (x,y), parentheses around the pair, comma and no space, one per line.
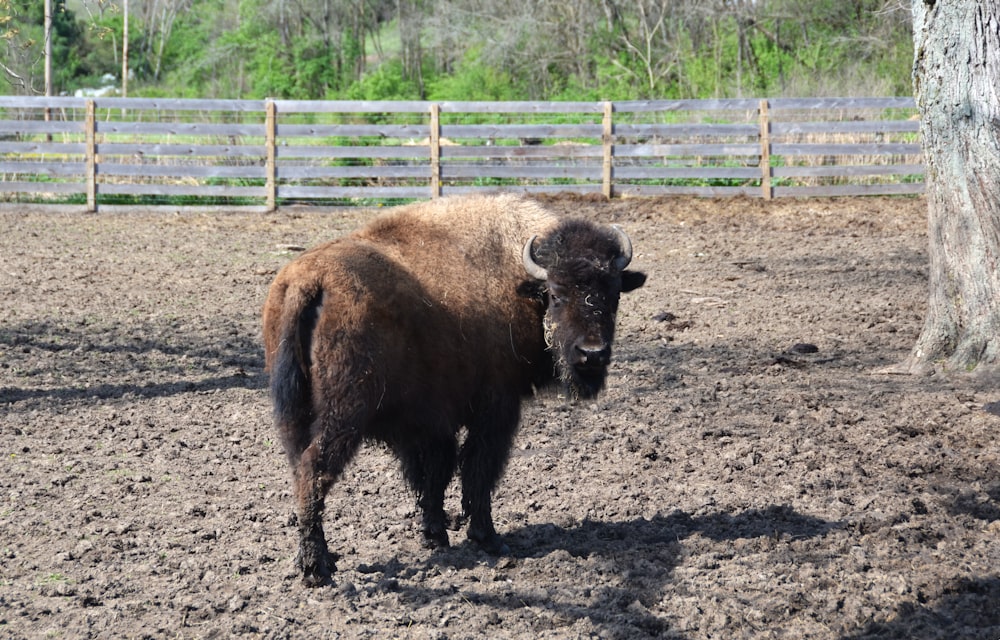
(956,73)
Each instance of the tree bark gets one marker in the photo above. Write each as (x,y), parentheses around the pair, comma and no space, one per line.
(956,75)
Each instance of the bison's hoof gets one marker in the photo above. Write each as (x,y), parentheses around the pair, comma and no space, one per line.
(436,539)
(492,544)
(316,566)
(317,577)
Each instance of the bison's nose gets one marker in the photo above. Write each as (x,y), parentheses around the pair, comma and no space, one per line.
(593,353)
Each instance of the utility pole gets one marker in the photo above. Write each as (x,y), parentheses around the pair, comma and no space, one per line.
(48,61)
(48,47)
(125,50)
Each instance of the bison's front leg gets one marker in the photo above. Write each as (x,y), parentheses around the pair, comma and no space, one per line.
(429,465)
(483,459)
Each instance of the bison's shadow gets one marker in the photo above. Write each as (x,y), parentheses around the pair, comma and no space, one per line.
(592,537)
(639,557)
(967,609)
(148,359)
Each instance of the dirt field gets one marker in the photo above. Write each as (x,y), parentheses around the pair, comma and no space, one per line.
(733,482)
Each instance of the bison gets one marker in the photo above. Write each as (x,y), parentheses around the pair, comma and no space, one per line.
(435,317)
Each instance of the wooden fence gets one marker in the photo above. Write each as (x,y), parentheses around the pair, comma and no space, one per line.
(269,153)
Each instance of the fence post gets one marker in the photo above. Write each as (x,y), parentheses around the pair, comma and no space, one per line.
(90,161)
(435,143)
(765,151)
(607,140)
(270,141)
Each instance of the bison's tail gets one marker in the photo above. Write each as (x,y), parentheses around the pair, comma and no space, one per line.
(290,365)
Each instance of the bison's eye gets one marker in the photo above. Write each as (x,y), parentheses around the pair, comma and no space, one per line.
(557,294)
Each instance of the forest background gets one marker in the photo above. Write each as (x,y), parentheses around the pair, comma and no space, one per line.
(464,49)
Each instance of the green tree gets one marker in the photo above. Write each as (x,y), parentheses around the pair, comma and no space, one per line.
(472,79)
(528,49)
(22,54)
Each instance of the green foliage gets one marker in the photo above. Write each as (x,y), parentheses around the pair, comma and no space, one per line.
(387,82)
(314,49)
(103,55)
(67,60)
(23,32)
(611,81)
(704,74)
(474,80)
(198,57)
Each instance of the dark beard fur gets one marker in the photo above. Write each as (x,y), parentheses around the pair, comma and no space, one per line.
(584,385)
(580,382)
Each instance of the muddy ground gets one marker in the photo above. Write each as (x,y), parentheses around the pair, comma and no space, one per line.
(731,483)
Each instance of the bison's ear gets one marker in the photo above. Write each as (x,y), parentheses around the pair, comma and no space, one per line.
(632,280)
(534,289)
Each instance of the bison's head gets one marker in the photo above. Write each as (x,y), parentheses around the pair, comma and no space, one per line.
(579,272)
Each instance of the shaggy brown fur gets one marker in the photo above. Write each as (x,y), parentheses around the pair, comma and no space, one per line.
(422,323)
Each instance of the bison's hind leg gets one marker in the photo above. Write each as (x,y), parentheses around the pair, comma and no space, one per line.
(429,464)
(315,471)
(311,486)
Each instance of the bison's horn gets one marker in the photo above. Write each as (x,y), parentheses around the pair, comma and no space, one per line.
(533,268)
(626,255)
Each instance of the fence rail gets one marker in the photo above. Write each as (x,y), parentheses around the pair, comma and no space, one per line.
(273,152)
